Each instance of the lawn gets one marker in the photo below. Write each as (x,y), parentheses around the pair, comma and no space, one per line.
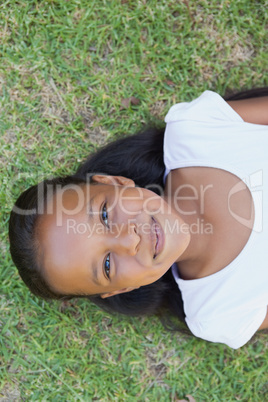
(67,71)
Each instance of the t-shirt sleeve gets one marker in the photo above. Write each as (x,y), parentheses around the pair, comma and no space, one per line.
(234,330)
(209,106)
(190,127)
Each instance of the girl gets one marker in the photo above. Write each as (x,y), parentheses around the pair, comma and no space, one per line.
(153,221)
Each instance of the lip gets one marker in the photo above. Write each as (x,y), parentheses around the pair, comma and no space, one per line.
(159,238)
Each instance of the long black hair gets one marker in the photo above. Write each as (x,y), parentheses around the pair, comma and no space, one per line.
(139,157)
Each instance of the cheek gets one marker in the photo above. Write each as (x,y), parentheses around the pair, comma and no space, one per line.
(155,204)
(130,270)
(136,274)
(136,200)
(129,208)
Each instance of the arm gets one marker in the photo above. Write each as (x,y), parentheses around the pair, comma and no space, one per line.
(254,110)
(265,322)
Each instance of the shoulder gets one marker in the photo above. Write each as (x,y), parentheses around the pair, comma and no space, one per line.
(264,324)
(252,110)
(234,329)
(208,106)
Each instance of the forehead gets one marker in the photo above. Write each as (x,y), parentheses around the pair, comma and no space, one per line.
(69,203)
(62,249)
(69,200)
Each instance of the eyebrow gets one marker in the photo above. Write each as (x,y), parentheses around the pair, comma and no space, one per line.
(90,209)
(95,274)
(95,270)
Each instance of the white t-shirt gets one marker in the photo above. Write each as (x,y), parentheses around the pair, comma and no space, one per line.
(230,305)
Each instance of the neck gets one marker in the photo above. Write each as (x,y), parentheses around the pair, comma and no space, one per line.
(201,232)
(185,193)
(196,255)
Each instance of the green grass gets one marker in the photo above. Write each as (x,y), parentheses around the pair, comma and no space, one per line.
(65,68)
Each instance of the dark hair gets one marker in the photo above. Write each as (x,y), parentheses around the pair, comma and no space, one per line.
(139,157)
(250,93)
(23,224)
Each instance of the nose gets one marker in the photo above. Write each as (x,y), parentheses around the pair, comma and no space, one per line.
(125,240)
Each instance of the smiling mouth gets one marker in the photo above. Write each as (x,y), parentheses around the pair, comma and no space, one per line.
(158,238)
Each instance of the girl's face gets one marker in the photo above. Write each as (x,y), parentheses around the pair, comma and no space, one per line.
(108,238)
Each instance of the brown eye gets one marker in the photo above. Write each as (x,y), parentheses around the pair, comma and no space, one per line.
(106,266)
(104,215)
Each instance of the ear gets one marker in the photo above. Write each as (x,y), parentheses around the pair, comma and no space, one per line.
(114,180)
(116,292)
